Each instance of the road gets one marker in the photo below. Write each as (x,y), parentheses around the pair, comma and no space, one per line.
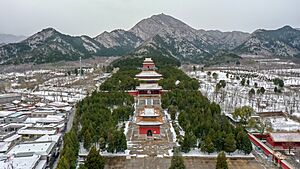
(68,128)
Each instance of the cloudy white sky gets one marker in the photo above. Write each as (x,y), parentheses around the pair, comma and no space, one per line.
(91,17)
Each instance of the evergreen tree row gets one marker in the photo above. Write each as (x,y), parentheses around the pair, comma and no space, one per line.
(68,155)
(100,115)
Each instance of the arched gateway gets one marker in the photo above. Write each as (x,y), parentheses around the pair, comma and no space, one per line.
(149,133)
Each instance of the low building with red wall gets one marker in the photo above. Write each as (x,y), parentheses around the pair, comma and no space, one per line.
(279,159)
(283,141)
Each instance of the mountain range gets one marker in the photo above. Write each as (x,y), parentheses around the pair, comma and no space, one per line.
(9,38)
(158,35)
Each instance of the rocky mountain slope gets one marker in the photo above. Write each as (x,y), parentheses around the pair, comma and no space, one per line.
(48,45)
(283,42)
(158,35)
(169,36)
(120,40)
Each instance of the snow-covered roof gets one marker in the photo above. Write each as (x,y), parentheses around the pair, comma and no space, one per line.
(148,60)
(59,104)
(9,95)
(145,86)
(149,123)
(149,73)
(40,148)
(16,101)
(16,114)
(24,162)
(46,137)
(67,108)
(31,120)
(15,125)
(12,138)
(285,137)
(4,146)
(50,119)
(45,111)
(40,104)
(32,131)
(149,79)
(41,165)
(6,113)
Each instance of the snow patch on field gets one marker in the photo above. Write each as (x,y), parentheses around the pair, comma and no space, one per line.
(105,153)
(173,132)
(126,128)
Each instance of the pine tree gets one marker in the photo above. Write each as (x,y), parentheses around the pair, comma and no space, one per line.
(221,161)
(251,92)
(207,145)
(219,141)
(230,144)
(94,160)
(185,145)
(102,143)
(243,82)
(172,111)
(121,143)
(81,166)
(255,85)
(111,147)
(247,146)
(177,161)
(262,90)
(239,140)
(63,163)
(76,72)
(87,139)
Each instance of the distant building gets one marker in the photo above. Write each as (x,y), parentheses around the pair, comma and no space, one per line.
(16,117)
(4,114)
(9,97)
(43,112)
(36,132)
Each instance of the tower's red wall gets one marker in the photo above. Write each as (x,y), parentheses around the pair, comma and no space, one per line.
(148,65)
(144,129)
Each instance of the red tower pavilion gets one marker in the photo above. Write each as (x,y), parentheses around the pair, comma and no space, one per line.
(148,101)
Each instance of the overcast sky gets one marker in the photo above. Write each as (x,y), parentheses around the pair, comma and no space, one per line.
(91,17)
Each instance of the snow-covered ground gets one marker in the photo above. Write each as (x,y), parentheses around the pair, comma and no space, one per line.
(284,124)
(126,128)
(235,95)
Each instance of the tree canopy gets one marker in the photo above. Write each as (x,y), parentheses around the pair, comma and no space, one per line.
(94,160)
(221,161)
(242,114)
(177,161)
